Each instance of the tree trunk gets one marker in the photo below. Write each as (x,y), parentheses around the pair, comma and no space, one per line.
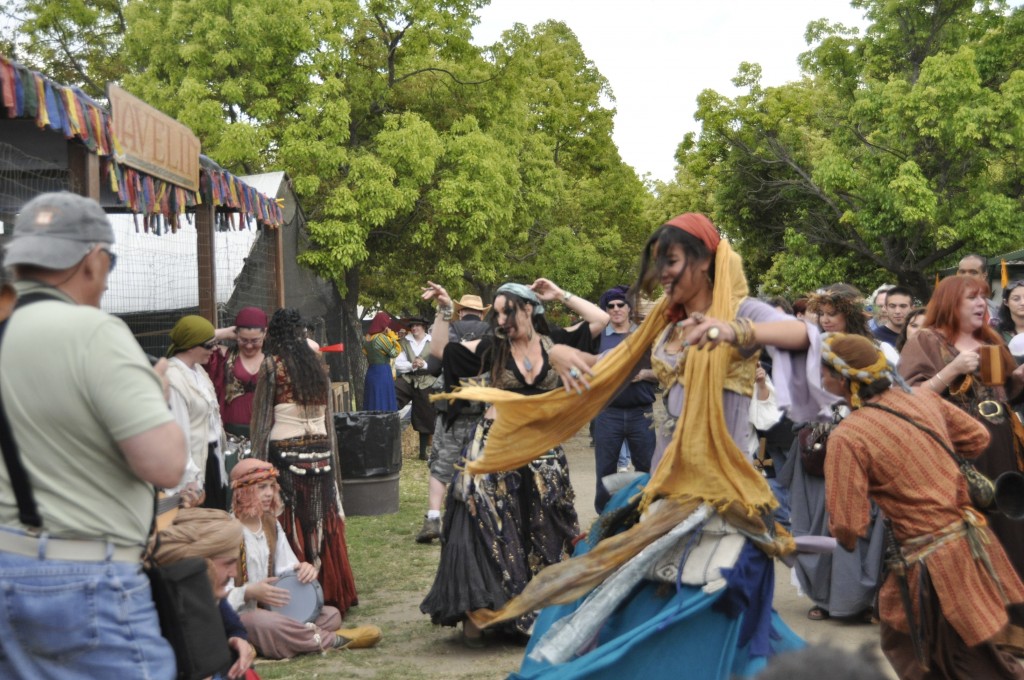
(353,360)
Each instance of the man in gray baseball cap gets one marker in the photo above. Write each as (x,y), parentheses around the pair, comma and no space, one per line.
(93,432)
(57,230)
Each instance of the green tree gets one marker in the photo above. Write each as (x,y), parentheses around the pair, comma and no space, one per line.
(416,154)
(897,151)
(73,41)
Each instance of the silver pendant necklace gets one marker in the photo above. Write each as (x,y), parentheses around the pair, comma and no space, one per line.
(527,364)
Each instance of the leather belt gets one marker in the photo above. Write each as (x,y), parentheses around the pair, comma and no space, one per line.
(46,547)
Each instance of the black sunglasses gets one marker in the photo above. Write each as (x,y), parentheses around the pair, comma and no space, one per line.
(211,345)
(616,305)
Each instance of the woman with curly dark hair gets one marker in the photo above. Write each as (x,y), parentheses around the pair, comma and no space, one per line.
(500,529)
(292,427)
(842,583)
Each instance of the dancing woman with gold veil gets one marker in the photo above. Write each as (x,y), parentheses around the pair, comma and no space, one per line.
(678,569)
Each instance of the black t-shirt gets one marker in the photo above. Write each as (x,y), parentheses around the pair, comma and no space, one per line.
(886,334)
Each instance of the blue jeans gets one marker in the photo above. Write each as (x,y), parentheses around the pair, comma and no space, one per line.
(612,427)
(62,619)
(624,456)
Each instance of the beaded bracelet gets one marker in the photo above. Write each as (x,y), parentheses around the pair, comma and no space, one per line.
(445,313)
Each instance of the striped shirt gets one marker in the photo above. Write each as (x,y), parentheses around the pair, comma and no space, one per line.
(921,490)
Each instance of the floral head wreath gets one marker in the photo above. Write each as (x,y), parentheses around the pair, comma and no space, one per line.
(866,375)
(846,305)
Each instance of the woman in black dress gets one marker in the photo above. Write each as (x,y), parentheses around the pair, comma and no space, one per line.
(500,529)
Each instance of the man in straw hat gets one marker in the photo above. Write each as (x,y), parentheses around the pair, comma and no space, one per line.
(265,557)
(88,418)
(949,581)
(470,306)
(451,434)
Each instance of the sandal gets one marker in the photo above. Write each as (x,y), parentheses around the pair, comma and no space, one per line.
(817,614)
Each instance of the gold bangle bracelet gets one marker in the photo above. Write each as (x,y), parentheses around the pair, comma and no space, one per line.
(743,330)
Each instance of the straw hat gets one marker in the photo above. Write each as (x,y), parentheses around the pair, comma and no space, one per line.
(471,302)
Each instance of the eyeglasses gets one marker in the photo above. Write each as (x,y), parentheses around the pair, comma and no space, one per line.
(1014,284)
(211,345)
(250,341)
(617,305)
(112,255)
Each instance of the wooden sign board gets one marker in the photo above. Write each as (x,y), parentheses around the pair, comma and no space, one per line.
(153,142)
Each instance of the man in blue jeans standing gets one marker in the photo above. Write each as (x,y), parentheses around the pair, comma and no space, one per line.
(93,434)
(628,417)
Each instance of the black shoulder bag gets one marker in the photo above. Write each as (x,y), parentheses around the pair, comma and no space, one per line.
(189,617)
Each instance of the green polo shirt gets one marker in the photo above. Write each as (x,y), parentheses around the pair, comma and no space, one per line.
(75,382)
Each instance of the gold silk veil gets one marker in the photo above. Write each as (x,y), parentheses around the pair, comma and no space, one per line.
(705,466)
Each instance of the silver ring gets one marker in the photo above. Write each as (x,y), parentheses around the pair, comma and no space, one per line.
(697,317)
(574,373)
(713,333)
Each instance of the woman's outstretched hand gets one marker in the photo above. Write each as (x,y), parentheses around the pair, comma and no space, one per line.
(546,290)
(435,291)
(704,331)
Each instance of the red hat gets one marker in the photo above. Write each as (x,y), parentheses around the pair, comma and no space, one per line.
(251,317)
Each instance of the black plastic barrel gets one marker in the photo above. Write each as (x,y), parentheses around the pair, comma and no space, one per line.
(369,443)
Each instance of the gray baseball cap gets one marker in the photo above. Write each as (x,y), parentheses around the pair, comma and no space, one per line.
(56,230)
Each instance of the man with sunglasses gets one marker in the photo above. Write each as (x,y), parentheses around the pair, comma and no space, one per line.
(194,405)
(629,416)
(88,420)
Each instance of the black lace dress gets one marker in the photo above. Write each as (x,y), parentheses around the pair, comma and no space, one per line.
(501,529)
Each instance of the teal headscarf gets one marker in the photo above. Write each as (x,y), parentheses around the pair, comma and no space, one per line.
(519,290)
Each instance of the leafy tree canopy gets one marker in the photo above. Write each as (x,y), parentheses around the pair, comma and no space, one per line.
(896,153)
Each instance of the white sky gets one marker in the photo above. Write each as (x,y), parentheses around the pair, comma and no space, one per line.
(658,55)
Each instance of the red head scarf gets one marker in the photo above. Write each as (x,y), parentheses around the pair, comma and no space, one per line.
(697,225)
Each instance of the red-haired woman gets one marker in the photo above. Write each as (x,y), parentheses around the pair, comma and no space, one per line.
(944,357)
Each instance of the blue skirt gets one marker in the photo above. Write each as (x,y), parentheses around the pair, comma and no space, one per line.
(671,631)
(379,389)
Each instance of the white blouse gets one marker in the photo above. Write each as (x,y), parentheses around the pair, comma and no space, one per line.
(257,558)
